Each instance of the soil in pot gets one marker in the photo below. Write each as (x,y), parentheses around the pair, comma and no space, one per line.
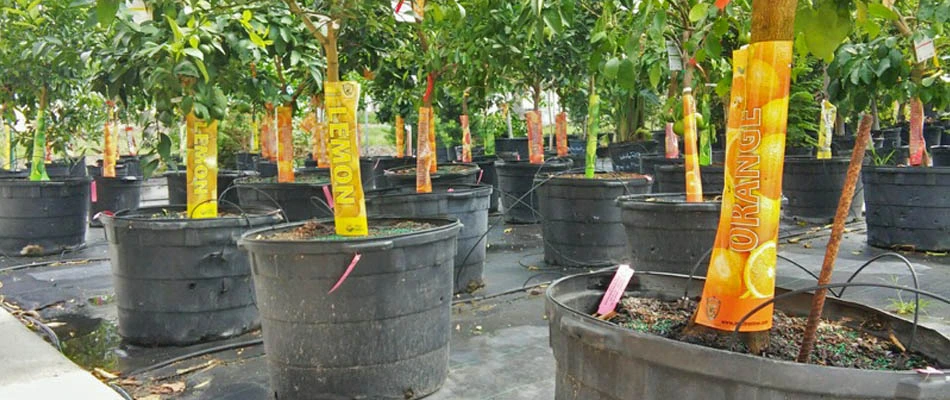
(838,345)
(40,218)
(672,178)
(907,207)
(581,225)
(306,198)
(180,281)
(447,174)
(373,170)
(468,203)
(112,195)
(813,188)
(668,234)
(519,200)
(383,333)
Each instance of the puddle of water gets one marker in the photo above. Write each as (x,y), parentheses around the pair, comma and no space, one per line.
(94,348)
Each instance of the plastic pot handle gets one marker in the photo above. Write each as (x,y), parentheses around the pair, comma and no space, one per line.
(369,247)
(460,195)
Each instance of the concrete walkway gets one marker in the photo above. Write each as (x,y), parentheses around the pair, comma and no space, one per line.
(30,368)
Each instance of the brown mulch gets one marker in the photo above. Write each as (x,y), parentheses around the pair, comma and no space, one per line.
(838,345)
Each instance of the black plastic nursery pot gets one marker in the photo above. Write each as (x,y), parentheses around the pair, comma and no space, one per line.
(891,137)
(581,224)
(178,186)
(467,203)
(62,169)
(489,176)
(247,161)
(382,334)
(373,170)
(519,201)
(672,178)
(518,145)
(626,156)
(40,218)
(266,168)
(109,195)
(307,198)
(180,281)
(668,234)
(649,162)
(907,207)
(932,135)
(813,188)
(940,155)
(446,174)
(598,360)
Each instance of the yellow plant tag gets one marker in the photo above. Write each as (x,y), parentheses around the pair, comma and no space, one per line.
(285,145)
(202,164)
(741,273)
(110,145)
(6,152)
(826,127)
(694,183)
(349,208)
(400,137)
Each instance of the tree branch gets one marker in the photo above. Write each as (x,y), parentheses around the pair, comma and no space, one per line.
(295,8)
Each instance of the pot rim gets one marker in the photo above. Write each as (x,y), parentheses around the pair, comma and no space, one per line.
(695,348)
(472,169)
(356,243)
(640,202)
(59,181)
(237,220)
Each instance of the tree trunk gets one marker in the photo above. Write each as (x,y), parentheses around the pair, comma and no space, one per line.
(38,169)
(874,113)
(333,56)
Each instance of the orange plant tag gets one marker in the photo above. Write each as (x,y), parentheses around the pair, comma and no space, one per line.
(560,130)
(285,145)
(694,183)
(535,137)
(202,167)
(466,139)
(426,153)
(400,137)
(741,273)
(349,208)
(917,144)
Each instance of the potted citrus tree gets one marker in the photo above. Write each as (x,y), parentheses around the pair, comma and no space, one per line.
(41,55)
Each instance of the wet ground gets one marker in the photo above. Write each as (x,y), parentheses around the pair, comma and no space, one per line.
(499,347)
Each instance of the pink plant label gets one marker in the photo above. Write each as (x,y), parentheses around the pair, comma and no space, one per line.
(93,193)
(328,196)
(615,290)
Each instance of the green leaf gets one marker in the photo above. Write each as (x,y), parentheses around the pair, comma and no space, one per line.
(655,72)
(698,12)
(194,53)
(598,37)
(611,68)
(626,74)
(928,81)
(204,71)
(825,29)
(105,11)
(883,66)
(881,11)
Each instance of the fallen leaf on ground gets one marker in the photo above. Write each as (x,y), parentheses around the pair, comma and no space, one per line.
(169,388)
(104,374)
(203,384)
(129,382)
(508,230)
(209,364)
(794,240)
(533,268)
(150,397)
(806,245)
(856,252)
(929,253)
